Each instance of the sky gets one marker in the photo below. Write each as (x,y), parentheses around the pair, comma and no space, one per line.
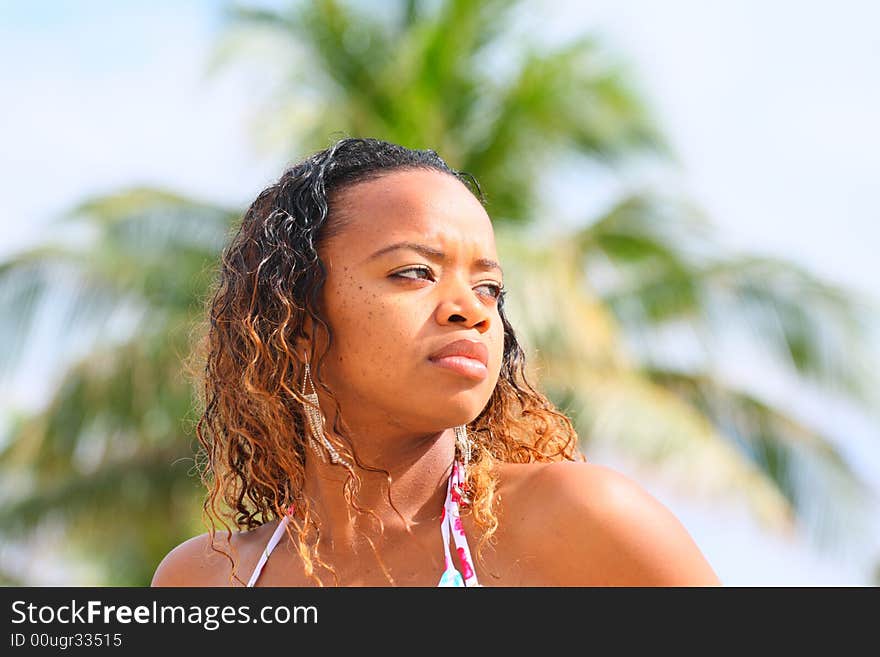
(771,108)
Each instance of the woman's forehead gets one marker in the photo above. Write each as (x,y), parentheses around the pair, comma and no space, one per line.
(430,207)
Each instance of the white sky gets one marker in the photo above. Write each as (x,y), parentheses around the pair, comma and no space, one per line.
(772,108)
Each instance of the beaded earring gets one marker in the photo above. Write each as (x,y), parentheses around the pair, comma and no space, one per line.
(316,422)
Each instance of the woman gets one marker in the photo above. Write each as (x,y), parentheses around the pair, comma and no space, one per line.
(365,402)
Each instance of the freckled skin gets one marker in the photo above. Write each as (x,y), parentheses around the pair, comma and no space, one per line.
(385,328)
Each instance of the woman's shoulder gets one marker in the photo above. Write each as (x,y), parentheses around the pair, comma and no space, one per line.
(588,524)
(195,562)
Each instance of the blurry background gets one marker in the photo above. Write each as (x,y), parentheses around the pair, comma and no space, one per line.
(685,201)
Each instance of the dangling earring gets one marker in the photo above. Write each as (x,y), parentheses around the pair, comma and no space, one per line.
(463,443)
(316,422)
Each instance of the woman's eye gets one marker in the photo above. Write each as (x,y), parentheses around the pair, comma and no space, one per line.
(497,290)
(403,271)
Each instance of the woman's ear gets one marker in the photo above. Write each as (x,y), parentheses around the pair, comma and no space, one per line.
(303,343)
(303,349)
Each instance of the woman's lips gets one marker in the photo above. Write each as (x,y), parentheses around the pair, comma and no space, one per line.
(469,367)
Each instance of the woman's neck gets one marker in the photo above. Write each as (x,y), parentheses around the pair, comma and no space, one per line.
(418,468)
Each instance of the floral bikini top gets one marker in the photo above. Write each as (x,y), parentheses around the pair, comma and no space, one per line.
(450,524)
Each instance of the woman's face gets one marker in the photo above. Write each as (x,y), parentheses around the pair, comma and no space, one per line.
(391,309)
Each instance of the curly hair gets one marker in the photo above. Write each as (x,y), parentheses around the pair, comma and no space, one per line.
(252,429)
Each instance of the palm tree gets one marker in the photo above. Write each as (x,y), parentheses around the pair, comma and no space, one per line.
(116,438)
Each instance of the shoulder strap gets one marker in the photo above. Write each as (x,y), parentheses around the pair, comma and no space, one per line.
(276,537)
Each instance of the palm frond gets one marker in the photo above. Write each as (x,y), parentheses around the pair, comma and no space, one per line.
(425,84)
(133,506)
(622,410)
(115,489)
(659,265)
(55,285)
(645,238)
(116,400)
(783,447)
(817,327)
(145,249)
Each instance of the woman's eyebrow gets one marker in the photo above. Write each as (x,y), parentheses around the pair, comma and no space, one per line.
(433,254)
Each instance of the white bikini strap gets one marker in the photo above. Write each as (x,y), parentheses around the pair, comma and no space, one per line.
(279,532)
